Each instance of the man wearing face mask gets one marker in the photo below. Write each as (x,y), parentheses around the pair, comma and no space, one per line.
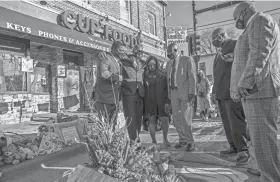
(181,80)
(232,113)
(133,92)
(255,79)
(107,88)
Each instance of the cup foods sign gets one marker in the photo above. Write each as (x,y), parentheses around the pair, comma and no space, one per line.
(91,26)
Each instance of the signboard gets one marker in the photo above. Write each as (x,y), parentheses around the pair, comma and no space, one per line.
(18,22)
(70,134)
(91,26)
(177,33)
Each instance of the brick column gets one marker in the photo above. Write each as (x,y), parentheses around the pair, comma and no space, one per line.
(58,55)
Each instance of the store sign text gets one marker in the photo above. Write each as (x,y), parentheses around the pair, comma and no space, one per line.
(90,26)
(53,36)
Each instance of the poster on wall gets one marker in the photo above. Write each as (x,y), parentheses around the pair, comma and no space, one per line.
(61,71)
(27,65)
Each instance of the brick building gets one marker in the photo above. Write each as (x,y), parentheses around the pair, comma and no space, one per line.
(49,49)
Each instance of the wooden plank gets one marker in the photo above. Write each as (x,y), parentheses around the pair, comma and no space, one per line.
(84,174)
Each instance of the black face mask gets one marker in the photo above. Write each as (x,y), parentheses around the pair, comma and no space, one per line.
(240,24)
(217,43)
(172,55)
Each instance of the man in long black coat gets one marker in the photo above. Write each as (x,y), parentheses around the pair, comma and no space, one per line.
(232,114)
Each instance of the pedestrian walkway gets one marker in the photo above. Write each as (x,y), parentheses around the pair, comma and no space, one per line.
(205,163)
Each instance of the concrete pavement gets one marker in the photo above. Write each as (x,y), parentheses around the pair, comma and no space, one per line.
(204,164)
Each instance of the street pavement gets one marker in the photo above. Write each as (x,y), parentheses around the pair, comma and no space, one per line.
(203,165)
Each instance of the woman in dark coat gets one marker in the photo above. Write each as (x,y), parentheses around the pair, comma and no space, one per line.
(156,99)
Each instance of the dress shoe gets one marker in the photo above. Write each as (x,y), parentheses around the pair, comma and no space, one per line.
(230,151)
(244,158)
(190,147)
(180,145)
(253,171)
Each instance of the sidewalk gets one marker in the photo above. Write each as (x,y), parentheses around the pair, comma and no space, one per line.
(205,163)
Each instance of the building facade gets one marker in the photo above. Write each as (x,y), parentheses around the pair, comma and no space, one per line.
(49,50)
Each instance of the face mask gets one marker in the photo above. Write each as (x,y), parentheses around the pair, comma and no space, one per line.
(218,41)
(240,24)
(173,54)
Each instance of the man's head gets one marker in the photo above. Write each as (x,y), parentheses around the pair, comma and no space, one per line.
(138,51)
(200,74)
(242,13)
(219,36)
(172,51)
(119,50)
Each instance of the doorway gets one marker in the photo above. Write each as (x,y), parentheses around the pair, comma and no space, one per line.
(73,88)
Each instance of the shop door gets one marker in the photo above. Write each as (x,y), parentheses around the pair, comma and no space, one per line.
(72,84)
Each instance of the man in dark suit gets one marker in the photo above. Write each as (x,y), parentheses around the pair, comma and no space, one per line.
(107,88)
(232,113)
(133,92)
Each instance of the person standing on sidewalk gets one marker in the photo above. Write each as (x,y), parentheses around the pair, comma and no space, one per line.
(107,88)
(181,80)
(132,90)
(232,113)
(203,95)
(156,97)
(256,81)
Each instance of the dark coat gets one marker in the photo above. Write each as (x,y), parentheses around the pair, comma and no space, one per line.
(222,72)
(132,77)
(161,91)
(107,89)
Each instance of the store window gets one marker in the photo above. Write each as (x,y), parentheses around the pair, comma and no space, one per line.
(40,78)
(12,62)
(152,23)
(125,10)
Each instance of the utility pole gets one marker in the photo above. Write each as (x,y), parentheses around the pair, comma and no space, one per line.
(194,38)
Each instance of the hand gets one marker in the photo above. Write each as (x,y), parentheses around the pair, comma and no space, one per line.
(242,92)
(228,57)
(120,78)
(191,97)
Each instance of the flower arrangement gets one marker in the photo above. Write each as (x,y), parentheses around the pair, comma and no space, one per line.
(111,153)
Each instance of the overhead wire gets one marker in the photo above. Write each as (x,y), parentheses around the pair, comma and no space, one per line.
(229,20)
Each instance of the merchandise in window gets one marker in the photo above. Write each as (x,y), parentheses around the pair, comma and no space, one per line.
(12,78)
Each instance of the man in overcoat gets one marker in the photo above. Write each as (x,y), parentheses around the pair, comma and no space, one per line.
(255,79)
(232,113)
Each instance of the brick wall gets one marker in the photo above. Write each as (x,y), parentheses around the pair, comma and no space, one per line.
(112,8)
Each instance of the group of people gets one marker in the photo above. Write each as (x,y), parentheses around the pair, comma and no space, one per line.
(147,91)
(246,88)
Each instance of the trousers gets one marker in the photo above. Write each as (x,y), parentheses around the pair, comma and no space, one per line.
(133,113)
(182,112)
(235,124)
(262,115)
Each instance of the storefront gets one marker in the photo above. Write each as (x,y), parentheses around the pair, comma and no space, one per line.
(44,67)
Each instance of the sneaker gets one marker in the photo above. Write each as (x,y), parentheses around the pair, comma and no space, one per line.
(229,151)
(180,145)
(244,158)
(190,147)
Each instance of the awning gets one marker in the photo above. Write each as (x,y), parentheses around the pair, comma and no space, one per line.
(23,26)
(160,58)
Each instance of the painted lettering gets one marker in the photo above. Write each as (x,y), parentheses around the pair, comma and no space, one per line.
(90,26)
(17,27)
